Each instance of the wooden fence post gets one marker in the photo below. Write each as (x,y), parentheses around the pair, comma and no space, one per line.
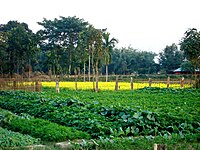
(168,82)
(182,82)
(93,84)
(131,83)
(97,84)
(36,86)
(84,72)
(14,84)
(76,85)
(116,84)
(160,147)
(57,87)
(50,73)
(75,73)
(150,81)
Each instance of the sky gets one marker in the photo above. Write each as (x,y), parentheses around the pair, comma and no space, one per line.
(146,25)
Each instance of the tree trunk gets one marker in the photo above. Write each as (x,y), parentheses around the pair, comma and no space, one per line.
(11,65)
(50,73)
(89,69)
(84,72)
(17,67)
(29,72)
(195,76)
(69,70)
(1,71)
(54,70)
(75,73)
(69,62)
(106,72)
(93,70)
(79,72)
(97,77)
(116,84)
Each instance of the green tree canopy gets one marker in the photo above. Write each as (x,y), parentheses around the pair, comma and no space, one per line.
(190,45)
(60,38)
(131,60)
(170,58)
(108,46)
(18,45)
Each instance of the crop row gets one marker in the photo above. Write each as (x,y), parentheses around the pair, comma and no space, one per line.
(96,119)
(182,103)
(38,128)
(12,139)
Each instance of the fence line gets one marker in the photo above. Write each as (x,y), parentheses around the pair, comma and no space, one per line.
(119,85)
(17,84)
(27,85)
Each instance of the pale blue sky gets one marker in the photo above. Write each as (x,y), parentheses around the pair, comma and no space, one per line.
(147,25)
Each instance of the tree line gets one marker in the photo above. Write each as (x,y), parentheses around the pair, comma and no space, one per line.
(70,45)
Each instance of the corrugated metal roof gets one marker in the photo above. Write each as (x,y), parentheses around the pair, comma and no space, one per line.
(179,70)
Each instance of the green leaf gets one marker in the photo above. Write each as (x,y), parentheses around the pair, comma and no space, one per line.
(136,115)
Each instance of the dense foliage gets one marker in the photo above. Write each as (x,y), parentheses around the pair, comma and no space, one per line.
(170,58)
(18,46)
(70,45)
(131,60)
(39,128)
(190,45)
(151,111)
(12,139)
(174,141)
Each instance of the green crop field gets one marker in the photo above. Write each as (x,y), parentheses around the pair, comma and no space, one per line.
(171,115)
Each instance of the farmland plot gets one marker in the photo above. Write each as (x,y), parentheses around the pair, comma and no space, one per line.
(149,111)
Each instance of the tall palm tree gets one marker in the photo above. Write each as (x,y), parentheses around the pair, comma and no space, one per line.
(95,49)
(108,45)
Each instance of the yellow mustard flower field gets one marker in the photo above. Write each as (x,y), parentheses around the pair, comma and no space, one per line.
(109,85)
